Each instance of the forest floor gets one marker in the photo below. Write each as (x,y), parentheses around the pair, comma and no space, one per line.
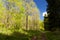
(29,35)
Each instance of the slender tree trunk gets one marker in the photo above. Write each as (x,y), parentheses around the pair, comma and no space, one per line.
(7,21)
(26,22)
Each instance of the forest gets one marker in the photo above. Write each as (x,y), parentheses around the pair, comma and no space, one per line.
(20,20)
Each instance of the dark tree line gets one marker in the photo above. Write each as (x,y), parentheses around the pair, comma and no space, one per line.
(52,22)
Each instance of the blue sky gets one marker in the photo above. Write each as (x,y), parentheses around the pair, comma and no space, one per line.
(42,5)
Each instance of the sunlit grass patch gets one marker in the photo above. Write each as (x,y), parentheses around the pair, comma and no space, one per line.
(6,31)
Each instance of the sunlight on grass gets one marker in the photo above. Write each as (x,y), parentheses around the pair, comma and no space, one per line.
(5,31)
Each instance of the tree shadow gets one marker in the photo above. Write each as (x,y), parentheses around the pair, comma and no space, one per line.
(33,32)
(14,36)
(20,36)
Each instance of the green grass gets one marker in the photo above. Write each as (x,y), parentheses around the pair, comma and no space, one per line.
(53,35)
(10,34)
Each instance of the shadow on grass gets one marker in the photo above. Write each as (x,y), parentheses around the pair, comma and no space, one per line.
(14,36)
(20,36)
(53,35)
(33,32)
